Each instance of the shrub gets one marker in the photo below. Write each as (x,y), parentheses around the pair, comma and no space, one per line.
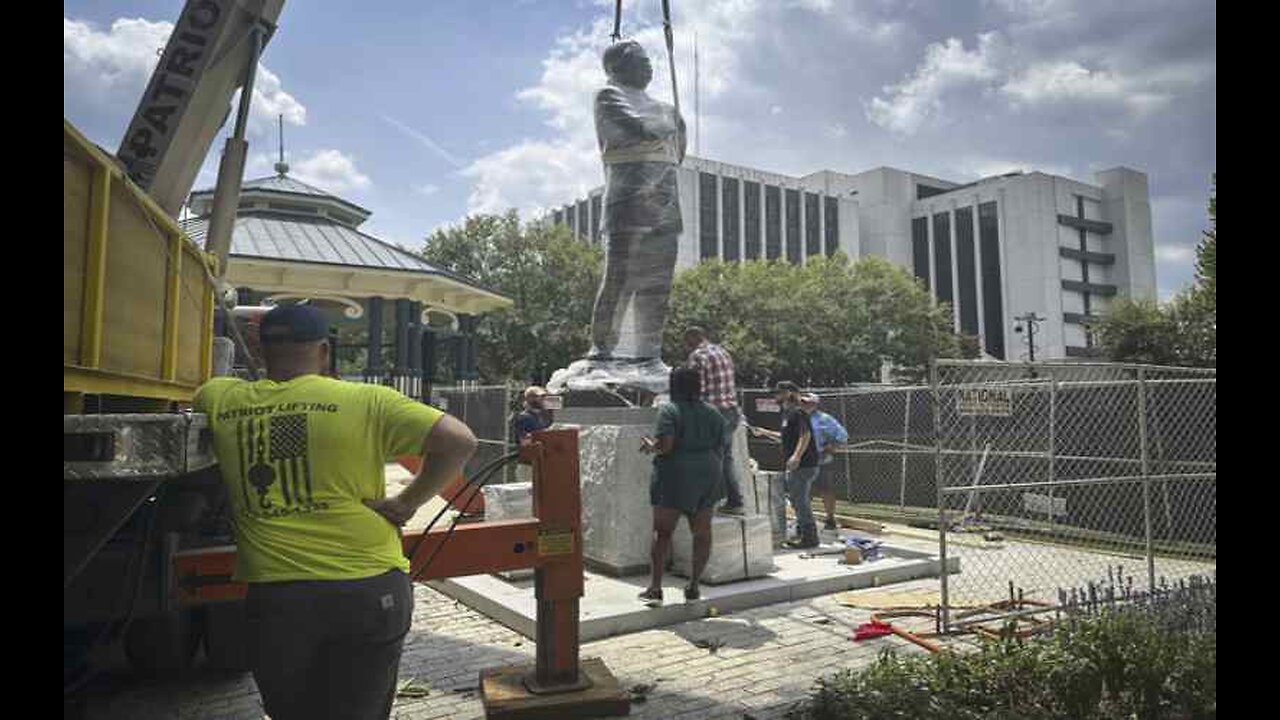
(1155,658)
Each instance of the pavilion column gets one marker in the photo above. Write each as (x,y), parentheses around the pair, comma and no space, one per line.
(373,367)
(415,343)
(467,323)
(402,337)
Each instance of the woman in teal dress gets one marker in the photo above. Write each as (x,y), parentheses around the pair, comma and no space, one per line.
(687,478)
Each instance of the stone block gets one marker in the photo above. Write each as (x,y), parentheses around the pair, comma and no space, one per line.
(511,501)
(616,517)
(741,548)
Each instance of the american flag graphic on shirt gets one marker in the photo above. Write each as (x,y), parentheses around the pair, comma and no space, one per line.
(279,442)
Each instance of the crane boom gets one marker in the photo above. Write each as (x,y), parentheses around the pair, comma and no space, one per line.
(208,56)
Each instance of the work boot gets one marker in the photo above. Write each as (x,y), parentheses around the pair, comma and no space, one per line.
(830,524)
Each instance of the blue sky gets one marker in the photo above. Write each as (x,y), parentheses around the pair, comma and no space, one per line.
(425,111)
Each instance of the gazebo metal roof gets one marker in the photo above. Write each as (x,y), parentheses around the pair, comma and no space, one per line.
(301,247)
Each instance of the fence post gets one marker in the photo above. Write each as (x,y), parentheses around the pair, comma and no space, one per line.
(906,438)
(1146,476)
(1053,441)
(942,514)
(848,464)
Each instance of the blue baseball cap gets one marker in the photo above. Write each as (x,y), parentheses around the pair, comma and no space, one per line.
(293,324)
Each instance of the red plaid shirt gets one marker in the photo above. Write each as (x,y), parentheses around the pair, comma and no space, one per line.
(716,368)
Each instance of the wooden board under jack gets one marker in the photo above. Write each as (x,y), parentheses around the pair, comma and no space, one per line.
(505,696)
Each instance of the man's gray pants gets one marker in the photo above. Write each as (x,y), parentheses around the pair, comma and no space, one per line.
(729,469)
(328,648)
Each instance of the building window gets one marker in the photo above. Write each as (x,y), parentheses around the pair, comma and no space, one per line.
(583,220)
(942,256)
(920,249)
(832,229)
(572,214)
(729,210)
(708,238)
(992,295)
(924,191)
(793,226)
(596,203)
(967,283)
(812,224)
(772,222)
(557,217)
(751,218)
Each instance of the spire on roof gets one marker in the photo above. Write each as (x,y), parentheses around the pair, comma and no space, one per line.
(282,167)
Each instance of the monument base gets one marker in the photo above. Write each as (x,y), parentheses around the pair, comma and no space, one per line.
(651,375)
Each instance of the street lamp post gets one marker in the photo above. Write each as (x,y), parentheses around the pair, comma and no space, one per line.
(1031,320)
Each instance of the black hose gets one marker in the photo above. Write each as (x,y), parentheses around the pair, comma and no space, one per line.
(483,469)
(476,483)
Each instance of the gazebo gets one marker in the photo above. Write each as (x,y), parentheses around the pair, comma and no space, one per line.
(293,241)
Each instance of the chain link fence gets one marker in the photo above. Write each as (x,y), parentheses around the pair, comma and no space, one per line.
(1094,469)
(887,467)
(487,410)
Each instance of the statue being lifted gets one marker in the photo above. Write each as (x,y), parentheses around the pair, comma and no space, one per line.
(642,143)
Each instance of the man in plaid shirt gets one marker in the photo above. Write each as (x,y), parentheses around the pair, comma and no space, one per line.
(716,368)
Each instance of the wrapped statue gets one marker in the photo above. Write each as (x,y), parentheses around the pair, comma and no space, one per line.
(642,143)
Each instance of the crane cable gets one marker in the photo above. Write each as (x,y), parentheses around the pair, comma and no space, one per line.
(671,53)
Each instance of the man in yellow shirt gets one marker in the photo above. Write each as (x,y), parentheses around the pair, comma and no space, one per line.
(317,540)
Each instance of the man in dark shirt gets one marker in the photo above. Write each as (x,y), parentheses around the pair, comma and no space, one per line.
(801,457)
(534,416)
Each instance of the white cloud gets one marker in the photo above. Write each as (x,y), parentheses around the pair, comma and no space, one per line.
(946,67)
(1175,254)
(532,176)
(775,110)
(330,170)
(839,131)
(426,190)
(105,72)
(1070,82)
(984,167)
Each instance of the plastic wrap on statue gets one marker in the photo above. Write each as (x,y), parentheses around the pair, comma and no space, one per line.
(642,142)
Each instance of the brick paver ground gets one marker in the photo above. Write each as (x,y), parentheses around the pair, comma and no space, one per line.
(767,659)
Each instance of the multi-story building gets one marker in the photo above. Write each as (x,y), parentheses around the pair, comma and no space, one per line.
(995,249)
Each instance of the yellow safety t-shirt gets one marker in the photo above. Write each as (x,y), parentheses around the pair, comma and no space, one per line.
(299,459)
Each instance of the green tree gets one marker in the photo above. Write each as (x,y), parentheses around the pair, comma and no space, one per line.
(828,322)
(551,276)
(1183,331)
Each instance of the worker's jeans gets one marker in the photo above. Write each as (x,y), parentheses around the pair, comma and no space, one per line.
(799,485)
(733,488)
(328,648)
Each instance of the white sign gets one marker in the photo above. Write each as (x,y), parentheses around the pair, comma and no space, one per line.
(553,402)
(767,405)
(1044,505)
(997,402)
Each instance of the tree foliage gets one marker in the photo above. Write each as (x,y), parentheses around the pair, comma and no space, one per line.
(1183,331)
(828,322)
(551,276)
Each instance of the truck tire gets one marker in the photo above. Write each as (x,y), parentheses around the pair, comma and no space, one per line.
(225,637)
(163,644)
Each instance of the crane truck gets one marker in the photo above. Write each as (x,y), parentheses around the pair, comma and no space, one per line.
(140,306)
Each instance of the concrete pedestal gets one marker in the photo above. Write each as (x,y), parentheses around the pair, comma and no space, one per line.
(617,520)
